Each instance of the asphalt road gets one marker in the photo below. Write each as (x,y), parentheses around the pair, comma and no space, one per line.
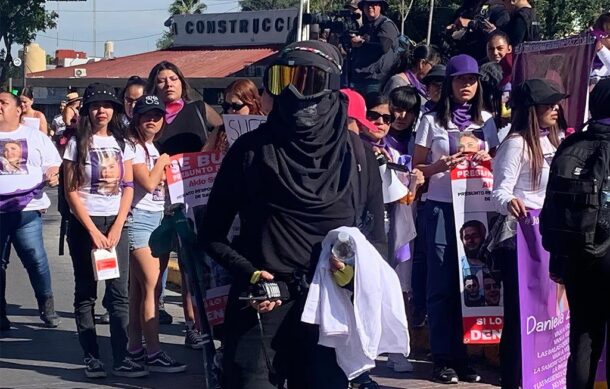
(35,357)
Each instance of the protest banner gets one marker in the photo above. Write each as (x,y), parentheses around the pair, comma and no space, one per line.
(237,125)
(190,177)
(215,304)
(545,317)
(566,62)
(480,288)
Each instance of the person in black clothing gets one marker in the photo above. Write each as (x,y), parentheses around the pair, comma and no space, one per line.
(523,25)
(191,126)
(291,181)
(372,57)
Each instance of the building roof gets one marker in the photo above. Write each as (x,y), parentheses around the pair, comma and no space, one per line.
(194,63)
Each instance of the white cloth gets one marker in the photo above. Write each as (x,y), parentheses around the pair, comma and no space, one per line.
(604,56)
(375,323)
(33,123)
(443,142)
(25,154)
(101,191)
(142,199)
(512,174)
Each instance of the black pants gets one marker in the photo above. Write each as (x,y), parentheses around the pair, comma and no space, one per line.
(85,293)
(510,343)
(291,347)
(588,290)
(420,268)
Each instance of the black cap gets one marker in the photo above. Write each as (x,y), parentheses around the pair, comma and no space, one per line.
(437,73)
(100,92)
(148,103)
(384,3)
(536,92)
(599,100)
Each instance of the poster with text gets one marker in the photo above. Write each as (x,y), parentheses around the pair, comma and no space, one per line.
(190,178)
(545,317)
(237,125)
(480,287)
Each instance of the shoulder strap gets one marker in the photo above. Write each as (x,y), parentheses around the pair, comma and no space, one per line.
(205,128)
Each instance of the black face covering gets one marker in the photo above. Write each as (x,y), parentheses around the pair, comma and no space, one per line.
(311,160)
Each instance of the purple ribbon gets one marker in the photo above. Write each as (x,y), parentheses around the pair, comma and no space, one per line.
(18,200)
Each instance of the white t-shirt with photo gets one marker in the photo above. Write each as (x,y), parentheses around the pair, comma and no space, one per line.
(25,154)
(444,142)
(143,199)
(102,187)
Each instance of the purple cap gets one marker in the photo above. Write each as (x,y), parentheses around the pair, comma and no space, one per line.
(462,64)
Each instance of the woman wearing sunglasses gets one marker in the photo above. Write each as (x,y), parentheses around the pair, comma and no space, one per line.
(521,172)
(241,98)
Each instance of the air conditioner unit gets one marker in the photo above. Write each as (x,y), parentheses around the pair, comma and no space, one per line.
(80,72)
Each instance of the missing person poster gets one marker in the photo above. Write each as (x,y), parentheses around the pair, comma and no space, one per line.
(190,177)
(237,125)
(480,287)
(545,318)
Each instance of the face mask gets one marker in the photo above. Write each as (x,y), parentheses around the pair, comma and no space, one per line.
(304,113)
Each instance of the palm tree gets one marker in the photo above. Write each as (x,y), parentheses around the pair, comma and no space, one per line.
(180,7)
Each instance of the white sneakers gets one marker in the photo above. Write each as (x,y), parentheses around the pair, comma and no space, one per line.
(399,363)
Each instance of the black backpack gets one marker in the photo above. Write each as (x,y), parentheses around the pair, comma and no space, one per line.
(575,218)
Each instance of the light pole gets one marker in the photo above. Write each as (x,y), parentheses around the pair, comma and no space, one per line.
(430,22)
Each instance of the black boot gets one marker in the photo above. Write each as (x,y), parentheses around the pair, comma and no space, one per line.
(5,324)
(47,313)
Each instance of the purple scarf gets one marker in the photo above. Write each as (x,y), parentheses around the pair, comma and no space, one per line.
(544,132)
(399,140)
(460,115)
(381,143)
(415,83)
(18,200)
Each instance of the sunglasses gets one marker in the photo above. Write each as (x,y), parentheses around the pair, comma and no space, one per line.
(234,106)
(386,117)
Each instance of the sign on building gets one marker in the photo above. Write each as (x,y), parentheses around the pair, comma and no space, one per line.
(252,28)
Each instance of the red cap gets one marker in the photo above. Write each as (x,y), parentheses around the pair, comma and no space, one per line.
(356,108)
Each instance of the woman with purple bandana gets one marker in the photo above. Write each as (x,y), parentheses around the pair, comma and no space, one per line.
(458,111)
(413,67)
(521,171)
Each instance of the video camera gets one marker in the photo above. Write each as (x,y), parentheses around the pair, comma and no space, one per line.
(480,19)
(344,23)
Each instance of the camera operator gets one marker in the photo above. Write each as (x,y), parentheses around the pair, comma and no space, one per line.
(291,181)
(376,37)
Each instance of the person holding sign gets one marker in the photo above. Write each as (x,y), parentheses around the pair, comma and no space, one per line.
(521,171)
(459,111)
(241,98)
(97,222)
(146,214)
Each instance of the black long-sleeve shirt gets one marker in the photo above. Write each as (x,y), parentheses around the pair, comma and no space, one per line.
(270,239)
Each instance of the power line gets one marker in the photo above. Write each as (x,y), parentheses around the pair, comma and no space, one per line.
(91,41)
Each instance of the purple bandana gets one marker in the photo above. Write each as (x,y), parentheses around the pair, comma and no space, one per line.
(460,115)
(399,140)
(380,143)
(544,132)
(415,83)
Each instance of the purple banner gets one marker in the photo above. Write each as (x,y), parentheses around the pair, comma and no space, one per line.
(545,318)
(566,62)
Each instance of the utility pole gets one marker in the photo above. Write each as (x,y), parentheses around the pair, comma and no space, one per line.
(429,37)
(94,33)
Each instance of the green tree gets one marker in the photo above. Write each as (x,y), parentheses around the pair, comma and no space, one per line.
(258,5)
(561,18)
(181,7)
(20,20)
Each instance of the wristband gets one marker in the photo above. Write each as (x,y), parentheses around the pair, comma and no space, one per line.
(127,184)
(256,276)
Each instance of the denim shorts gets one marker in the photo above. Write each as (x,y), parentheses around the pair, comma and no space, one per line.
(140,224)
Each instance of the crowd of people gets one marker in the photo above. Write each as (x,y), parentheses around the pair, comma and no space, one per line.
(319,163)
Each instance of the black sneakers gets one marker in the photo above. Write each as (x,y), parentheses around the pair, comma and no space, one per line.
(162,363)
(467,374)
(130,369)
(444,374)
(138,357)
(94,368)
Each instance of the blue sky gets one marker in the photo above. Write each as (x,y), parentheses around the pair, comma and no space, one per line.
(121,21)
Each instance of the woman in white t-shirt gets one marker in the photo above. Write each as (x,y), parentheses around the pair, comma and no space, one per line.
(439,147)
(521,171)
(146,214)
(98,182)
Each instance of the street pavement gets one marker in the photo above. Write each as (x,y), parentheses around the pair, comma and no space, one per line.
(35,357)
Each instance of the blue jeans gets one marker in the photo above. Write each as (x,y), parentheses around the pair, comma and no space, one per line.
(443,288)
(24,231)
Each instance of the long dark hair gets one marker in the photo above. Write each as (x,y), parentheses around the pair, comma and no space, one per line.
(443,107)
(131,81)
(27,92)
(84,137)
(410,58)
(525,123)
(151,87)
(135,135)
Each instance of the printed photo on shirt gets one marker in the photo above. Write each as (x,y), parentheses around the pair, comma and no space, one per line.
(106,171)
(466,141)
(14,156)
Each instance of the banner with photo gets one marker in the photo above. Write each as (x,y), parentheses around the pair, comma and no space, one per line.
(545,317)
(237,125)
(480,286)
(190,178)
(566,62)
